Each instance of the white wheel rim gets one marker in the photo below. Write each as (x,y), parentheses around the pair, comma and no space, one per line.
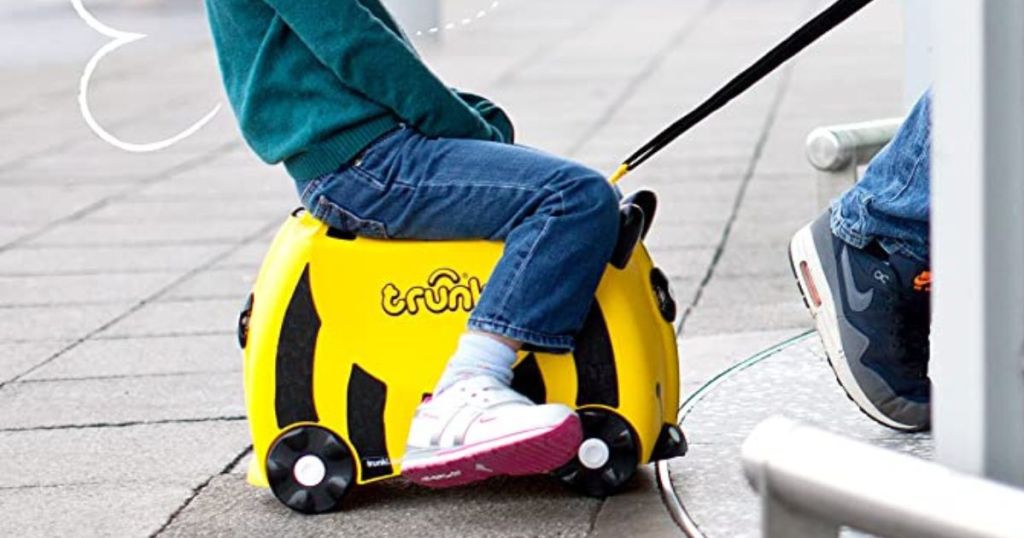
(593,453)
(309,471)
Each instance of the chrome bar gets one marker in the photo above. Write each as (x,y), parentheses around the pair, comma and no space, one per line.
(837,152)
(831,149)
(814,482)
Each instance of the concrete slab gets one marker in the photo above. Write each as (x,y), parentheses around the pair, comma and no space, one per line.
(48,323)
(41,204)
(16,359)
(229,283)
(139,212)
(89,509)
(172,317)
(710,320)
(703,357)
(796,382)
(48,290)
(103,260)
(249,256)
(195,187)
(195,231)
(154,455)
(536,506)
(49,404)
(149,356)
(638,512)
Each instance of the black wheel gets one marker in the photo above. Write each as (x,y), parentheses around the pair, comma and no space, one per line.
(310,469)
(608,457)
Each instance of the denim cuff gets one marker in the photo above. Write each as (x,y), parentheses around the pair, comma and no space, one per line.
(847,230)
(895,246)
(534,340)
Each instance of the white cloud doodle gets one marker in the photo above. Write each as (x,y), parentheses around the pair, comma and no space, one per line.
(120,39)
(465,21)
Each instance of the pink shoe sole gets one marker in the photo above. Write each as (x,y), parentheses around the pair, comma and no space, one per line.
(527,453)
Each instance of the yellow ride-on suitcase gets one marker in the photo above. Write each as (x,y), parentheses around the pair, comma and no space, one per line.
(344,336)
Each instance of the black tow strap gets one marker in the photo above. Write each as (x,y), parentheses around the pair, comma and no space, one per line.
(817,27)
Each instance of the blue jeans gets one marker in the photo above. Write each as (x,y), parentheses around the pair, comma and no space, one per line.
(891,203)
(559,221)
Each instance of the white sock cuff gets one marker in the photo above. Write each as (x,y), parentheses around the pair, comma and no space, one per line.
(480,347)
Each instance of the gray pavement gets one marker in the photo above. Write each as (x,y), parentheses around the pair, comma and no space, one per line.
(121,407)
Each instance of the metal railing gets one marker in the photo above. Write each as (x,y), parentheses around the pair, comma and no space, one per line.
(838,151)
(813,483)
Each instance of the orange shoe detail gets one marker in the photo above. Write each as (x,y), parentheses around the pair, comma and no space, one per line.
(923,282)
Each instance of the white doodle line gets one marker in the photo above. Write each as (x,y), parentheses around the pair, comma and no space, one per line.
(121,39)
(464,22)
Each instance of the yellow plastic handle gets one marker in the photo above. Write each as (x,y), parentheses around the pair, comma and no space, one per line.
(619,174)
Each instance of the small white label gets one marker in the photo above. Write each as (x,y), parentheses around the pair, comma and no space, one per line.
(309,471)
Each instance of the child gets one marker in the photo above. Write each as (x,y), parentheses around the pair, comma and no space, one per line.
(379,147)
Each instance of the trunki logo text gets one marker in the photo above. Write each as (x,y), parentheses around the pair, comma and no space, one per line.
(446,291)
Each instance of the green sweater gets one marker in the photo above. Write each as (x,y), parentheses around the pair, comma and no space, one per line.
(313,82)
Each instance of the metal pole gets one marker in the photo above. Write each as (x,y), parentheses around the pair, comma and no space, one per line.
(978,238)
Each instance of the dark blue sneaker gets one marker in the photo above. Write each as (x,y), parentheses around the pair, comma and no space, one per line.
(872,310)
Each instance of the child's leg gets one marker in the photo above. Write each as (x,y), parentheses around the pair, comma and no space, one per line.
(559,221)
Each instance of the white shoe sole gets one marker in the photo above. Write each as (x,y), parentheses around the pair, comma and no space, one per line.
(804,258)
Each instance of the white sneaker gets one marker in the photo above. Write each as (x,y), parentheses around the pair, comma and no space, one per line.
(479,428)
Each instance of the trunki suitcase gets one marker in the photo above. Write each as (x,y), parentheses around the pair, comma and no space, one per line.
(344,336)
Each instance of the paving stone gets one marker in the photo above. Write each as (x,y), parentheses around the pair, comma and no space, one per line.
(118,400)
(104,260)
(229,283)
(768,232)
(202,231)
(703,357)
(173,317)
(174,211)
(743,290)
(15,359)
(89,510)
(740,317)
(55,322)
(685,236)
(228,191)
(686,264)
(249,256)
(39,205)
(154,455)
(12,232)
(755,259)
(634,512)
(150,356)
(796,382)
(534,506)
(71,289)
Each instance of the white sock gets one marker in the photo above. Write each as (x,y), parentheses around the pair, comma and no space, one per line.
(478,355)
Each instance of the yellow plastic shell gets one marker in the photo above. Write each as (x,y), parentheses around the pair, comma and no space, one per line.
(384,319)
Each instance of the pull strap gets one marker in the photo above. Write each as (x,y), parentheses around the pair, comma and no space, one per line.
(810,32)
